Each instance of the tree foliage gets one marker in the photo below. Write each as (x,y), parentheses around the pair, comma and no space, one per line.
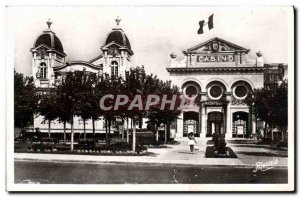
(25,100)
(79,92)
(270,104)
(48,107)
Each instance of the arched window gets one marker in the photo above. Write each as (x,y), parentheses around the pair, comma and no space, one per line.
(215,91)
(241,89)
(43,71)
(114,69)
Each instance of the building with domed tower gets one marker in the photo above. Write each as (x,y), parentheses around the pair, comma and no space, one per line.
(49,62)
(220,75)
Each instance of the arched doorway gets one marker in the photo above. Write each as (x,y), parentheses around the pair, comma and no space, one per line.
(240,125)
(191,123)
(215,123)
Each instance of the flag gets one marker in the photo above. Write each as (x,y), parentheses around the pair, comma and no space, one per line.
(210,24)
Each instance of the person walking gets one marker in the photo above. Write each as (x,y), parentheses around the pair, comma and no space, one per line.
(191,142)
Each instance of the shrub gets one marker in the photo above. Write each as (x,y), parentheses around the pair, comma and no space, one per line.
(85,145)
(121,147)
(147,138)
(43,144)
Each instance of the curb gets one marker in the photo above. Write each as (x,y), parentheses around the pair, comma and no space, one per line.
(143,163)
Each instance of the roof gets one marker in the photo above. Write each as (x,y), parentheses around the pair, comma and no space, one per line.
(77,62)
(51,40)
(234,46)
(119,37)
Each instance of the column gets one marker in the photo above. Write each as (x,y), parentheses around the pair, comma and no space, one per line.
(250,124)
(203,122)
(199,121)
(224,120)
(179,131)
(228,122)
(253,124)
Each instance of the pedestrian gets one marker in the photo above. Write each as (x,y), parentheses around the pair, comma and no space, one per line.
(192,142)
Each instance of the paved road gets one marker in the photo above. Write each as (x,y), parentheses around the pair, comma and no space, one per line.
(85,173)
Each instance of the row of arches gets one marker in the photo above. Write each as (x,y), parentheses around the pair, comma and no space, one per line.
(216,88)
(227,86)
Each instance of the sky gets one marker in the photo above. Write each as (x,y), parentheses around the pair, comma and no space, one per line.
(153,31)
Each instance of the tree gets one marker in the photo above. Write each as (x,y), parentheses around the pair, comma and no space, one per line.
(135,85)
(63,107)
(280,104)
(153,86)
(25,100)
(48,108)
(102,87)
(89,108)
(166,114)
(70,89)
(63,116)
(85,114)
(270,105)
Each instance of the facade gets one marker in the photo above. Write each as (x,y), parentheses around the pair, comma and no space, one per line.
(49,62)
(216,73)
(219,75)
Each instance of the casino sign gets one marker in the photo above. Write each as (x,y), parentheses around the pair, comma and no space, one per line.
(215,58)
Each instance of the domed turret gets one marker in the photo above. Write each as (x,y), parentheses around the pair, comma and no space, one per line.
(116,52)
(49,39)
(118,36)
(47,54)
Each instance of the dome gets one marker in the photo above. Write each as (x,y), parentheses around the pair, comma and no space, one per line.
(119,37)
(49,39)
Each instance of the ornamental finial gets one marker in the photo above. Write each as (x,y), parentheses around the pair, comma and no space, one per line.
(118,20)
(49,23)
(259,54)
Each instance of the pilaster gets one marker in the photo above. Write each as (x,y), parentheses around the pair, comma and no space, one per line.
(179,132)
(228,118)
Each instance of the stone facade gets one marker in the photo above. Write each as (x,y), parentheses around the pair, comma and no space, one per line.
(220,75)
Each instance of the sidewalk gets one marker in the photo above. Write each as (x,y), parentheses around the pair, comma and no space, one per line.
(248,155)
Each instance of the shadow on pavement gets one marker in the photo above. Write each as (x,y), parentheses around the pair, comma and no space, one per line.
(261,146)
(268,154)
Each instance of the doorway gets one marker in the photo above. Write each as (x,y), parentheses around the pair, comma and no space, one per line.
(191,123)
(240,125)
(215,123)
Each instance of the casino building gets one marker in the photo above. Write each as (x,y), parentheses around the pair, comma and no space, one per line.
(49,63)
(217,73)
(220,75)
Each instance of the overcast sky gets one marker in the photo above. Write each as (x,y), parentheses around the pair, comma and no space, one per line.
(154,32)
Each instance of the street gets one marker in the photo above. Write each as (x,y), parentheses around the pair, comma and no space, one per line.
(97,173)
